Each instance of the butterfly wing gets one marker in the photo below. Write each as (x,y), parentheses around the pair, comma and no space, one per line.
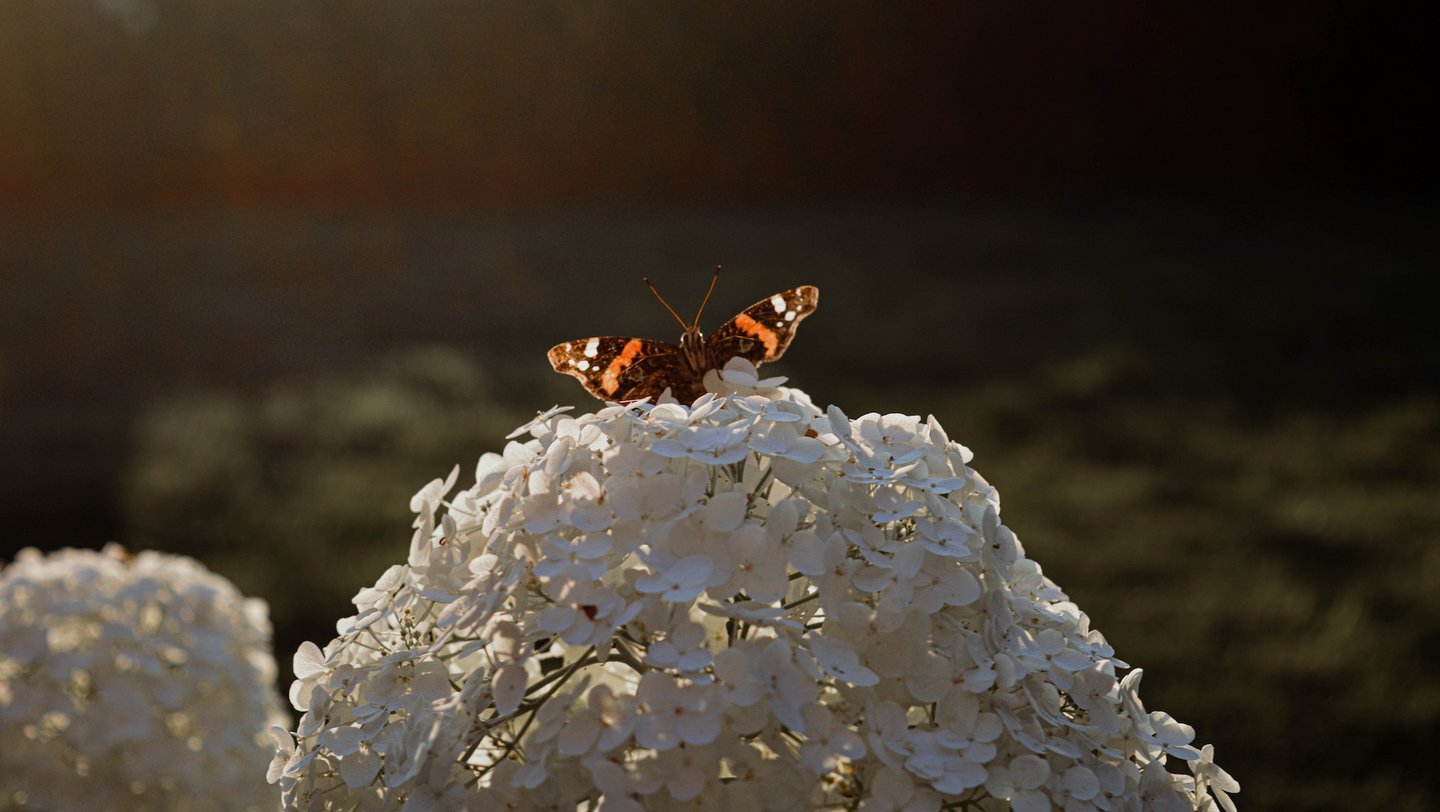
(763,330)
(618,368)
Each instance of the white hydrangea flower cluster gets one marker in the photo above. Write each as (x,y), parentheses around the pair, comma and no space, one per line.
(741,604)
(137,683)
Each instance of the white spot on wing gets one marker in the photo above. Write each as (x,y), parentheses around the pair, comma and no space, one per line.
(592,348)
(582,365)
(778,302)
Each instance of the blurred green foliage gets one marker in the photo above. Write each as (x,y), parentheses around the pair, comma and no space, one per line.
(1273,575)
(301,494)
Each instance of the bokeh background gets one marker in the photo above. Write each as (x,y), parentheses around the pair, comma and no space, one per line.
(268,266)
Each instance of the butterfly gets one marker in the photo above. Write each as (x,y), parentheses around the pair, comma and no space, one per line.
(619,369)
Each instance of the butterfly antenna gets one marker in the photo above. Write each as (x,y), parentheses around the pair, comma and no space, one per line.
(665,303)
(703,302)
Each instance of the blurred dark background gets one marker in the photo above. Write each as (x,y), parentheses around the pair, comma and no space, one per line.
(268,266)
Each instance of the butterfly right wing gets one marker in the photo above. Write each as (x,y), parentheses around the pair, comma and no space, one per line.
(619,368)
(763,330)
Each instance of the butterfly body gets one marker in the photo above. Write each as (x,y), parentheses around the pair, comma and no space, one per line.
(621,368)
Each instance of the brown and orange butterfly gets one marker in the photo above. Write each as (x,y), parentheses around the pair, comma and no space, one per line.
(619,368)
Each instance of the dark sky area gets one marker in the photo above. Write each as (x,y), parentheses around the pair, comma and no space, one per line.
(134,103)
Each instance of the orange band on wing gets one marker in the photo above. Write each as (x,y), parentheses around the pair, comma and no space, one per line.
(610,379)
(760,331)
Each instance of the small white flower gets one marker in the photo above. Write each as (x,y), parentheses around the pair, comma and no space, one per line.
(739,377)
(678,580)
(1080,783)
(786,440)
(1209,775)
(1174,736)
(649,498)
(767,671)
(840,661)
(607,722)
(671,713)
(1158,790)
(828,743)
(683,772)
(759,565)
(406,683)
(583,611)
(682,649)
(583,553)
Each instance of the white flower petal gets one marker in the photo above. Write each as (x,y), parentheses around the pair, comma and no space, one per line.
(725,511)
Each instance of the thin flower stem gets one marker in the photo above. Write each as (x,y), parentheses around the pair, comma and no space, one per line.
(813,596)
(561,677)
(561,674)
(759,489)
(623,654)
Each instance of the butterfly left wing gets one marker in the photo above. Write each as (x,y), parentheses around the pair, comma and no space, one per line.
(763,330)
(619,368)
